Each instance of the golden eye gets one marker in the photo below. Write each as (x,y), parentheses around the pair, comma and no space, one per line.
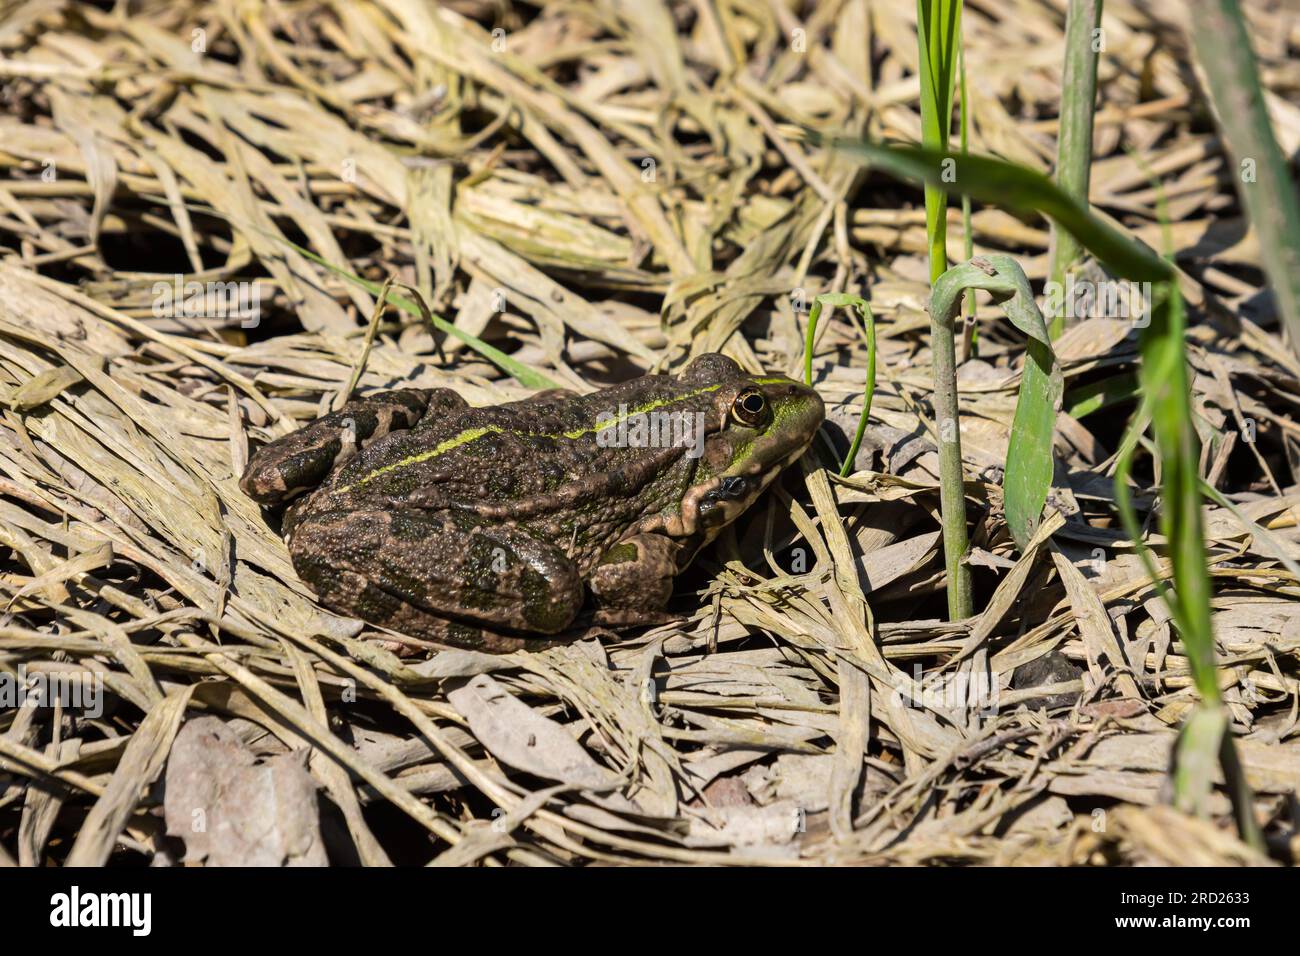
(749,407)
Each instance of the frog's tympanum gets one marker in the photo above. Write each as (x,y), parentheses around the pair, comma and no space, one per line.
(485,527)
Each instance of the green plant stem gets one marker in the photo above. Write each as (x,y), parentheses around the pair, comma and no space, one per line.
(1074,141)
(952,488)
(1263,181)
(858,304)
(969,345)
(868,324)
(1240,793)
(938,25)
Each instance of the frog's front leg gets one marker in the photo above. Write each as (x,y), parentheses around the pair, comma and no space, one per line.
(439,575)
(634,580)
(300,461)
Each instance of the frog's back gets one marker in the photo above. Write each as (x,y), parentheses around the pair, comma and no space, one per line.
(551,466)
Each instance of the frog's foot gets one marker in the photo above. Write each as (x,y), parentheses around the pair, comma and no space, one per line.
(634,580)
(300,461)
(438,575)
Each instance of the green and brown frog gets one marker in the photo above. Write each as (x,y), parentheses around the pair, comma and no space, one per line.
(486,527)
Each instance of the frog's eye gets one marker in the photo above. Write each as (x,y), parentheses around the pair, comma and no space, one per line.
(749,407)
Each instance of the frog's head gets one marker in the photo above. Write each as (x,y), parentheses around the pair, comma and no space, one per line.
(757,425)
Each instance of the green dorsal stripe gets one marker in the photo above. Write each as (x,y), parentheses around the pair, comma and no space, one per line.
(473,434)
(469,435)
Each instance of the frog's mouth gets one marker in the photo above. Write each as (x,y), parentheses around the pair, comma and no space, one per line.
(712,505)
(730,495)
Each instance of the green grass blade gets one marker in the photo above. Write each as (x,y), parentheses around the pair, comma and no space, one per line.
(1165,388)
(970,336)
(1028,476)
(938,32)
(1263,178)
(1074,141)
(1019,189)
(1163,375)
(525,376)
(521,373)
(1178,446)
(859,304)
(1093,397)
(1196,757)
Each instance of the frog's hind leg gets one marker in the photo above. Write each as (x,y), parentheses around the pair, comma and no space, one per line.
(438,575)
(300,461)
(633,581)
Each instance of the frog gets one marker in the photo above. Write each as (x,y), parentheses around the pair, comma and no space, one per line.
(498,528)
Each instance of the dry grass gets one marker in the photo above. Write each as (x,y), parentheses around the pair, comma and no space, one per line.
(599,161)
